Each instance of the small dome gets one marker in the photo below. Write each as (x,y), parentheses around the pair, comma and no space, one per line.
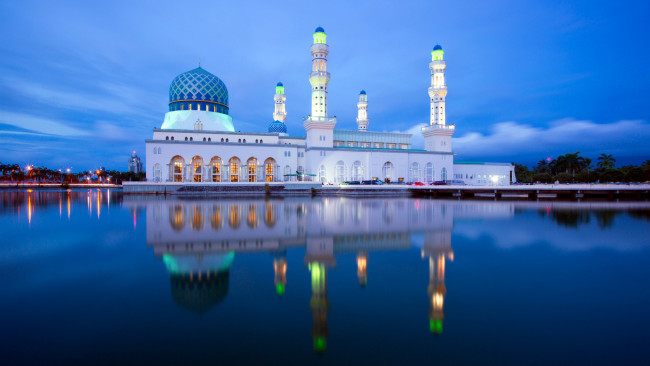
(277,127)
(279,84)
(319,30)
(363,92)
(437,48)
(198,85)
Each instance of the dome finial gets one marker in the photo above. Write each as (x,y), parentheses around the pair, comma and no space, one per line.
(199,62)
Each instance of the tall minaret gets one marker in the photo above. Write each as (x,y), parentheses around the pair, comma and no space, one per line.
(319,77)
(280,114)
(437,135)
(438,88)
(318,125)
(362,116)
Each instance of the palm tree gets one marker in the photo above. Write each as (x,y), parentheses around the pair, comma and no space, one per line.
(606,161)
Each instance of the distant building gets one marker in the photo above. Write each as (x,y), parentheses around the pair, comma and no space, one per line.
(135,165)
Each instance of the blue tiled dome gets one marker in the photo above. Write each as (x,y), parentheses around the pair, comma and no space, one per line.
(200,86)
(279,84)
(277,127)
(437,47)
(363,92)
(319,29)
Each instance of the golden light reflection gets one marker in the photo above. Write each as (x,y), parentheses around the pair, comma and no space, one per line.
(216,221)
(29,207)
(68,205)
(251,218)
(280,268)
(269,215)
(362,268)
(197,218)
(234,219)
(177,217)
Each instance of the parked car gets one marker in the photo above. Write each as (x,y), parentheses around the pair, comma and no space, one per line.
(350,183)
(418,184)
(439,183)
(456,182)
(372,182)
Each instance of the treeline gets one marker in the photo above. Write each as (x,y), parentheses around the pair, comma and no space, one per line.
(15,174)
(573,168)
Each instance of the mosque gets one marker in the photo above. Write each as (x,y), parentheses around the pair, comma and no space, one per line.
(198,142)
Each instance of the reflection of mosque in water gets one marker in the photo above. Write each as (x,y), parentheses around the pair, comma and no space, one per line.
(197,241)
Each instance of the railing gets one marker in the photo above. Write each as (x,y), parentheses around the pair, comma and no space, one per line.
(437,126)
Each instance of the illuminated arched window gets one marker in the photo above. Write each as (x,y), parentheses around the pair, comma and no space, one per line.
(176,165)
(252,169)
(197,169)
(215,169)
(269,169)
(234,163)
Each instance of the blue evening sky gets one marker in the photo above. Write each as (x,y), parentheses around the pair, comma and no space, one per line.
(82,83)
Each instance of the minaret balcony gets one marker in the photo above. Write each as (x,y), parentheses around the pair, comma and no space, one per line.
(438,129)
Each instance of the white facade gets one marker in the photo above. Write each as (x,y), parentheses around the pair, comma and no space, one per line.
(199,144)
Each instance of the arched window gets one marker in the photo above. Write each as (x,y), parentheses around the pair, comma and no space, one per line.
(157,173)
(252,169)
(269,169)
(443,175)
(239,141)
(204,139)
(287,171)
(177,164)
(357,171)
(209,139)
(429,172)
(261,141)
(215,169)
(234,163)
(322,174)
(222,139)
(172,138)
(256,140)
(191,138)
(340,171)
(186,138)
(166,137)
(197,169)
(244,140)
(415,172)
(226,140)
(387,171)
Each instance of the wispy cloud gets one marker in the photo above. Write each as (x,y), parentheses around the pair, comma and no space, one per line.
(509,140)
(40,124)
(516,141)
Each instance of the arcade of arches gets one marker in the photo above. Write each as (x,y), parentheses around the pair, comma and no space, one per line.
(219,170)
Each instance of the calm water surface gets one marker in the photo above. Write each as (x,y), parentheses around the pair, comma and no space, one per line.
(94,277)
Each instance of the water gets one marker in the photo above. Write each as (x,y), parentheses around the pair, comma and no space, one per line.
(92,277)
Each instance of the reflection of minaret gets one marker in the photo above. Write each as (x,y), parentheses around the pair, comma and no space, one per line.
(362,268)
(437,246)
(280,268)
(319,255)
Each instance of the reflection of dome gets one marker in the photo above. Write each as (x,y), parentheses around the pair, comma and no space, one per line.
(277,127)
(198,85)
(196,296)
(199,281)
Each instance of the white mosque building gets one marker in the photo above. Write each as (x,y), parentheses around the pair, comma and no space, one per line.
(197,141)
